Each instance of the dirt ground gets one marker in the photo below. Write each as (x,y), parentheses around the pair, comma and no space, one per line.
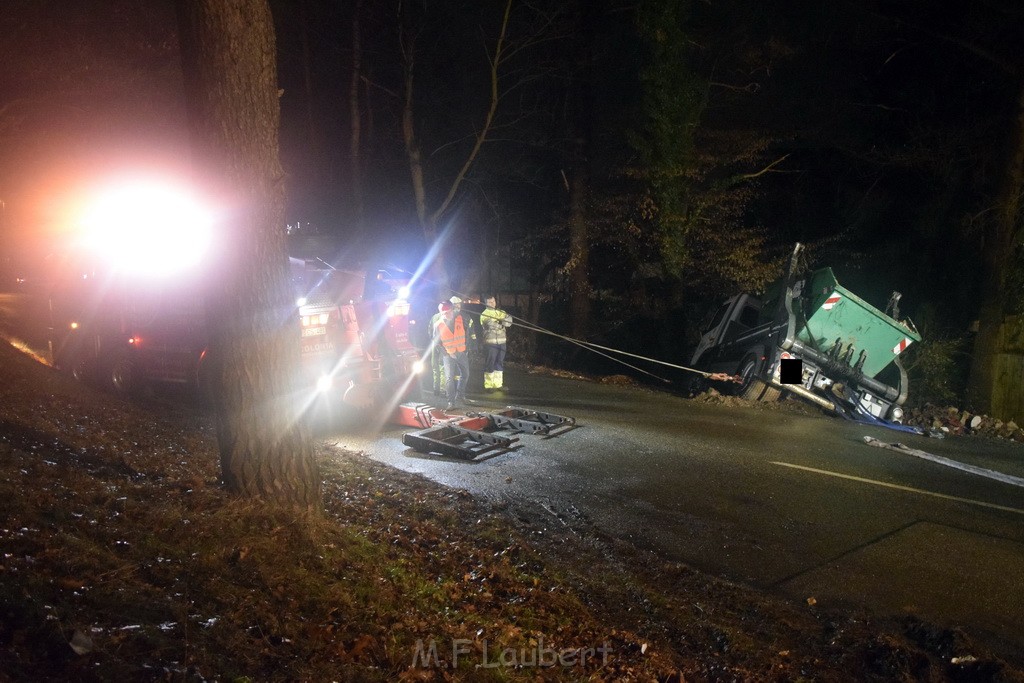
(122,558)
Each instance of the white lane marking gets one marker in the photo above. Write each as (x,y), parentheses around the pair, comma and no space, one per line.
(901,488)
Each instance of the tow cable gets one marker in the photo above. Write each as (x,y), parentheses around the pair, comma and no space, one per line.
(599,350)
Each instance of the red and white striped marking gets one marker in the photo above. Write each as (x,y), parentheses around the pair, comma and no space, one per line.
(830,302)
(899,348)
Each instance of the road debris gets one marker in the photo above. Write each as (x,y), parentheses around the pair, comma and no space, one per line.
(957,422)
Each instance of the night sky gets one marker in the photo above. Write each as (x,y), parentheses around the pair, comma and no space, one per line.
(883,127)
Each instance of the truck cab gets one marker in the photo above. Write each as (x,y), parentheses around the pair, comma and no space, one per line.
(733,320)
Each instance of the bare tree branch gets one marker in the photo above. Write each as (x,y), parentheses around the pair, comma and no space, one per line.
(488,119)
(766,169)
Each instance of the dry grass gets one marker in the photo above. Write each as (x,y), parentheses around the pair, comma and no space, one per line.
(123,559)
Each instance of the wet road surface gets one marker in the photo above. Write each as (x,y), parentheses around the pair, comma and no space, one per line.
(793,503)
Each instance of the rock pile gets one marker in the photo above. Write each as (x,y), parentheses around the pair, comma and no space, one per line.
(953,420)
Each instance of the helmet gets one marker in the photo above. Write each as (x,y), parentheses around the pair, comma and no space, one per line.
(455,300)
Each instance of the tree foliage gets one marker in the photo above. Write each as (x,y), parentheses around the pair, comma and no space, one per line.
(673,100)
(698,174)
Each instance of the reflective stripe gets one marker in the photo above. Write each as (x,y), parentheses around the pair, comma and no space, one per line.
(453,341)
(494,321)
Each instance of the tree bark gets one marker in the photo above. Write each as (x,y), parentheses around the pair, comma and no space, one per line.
(578,265)
(428,222)
(581,107)
(1000,238)
(355,117)
(430,219)
(228,54)
(312,134)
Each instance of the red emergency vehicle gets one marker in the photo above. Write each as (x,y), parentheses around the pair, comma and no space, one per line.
(123,316)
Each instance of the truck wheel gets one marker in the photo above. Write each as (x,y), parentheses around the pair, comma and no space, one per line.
(753,388)
(694,384)
(770,395)
(78,370)
(122,375)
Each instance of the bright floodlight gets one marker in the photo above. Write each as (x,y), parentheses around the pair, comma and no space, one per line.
(404,292)
(148,228)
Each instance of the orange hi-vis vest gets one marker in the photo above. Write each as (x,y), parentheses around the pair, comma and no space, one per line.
(452,341)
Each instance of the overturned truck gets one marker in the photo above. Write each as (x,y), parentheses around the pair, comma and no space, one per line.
(811,337)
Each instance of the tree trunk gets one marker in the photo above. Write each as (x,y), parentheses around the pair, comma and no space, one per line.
(430,219)
(438,271)
(228,53)
(1000,238)
(580,127)
(312,136)
(415,154)
(539,273)
(579,246)
(355,144)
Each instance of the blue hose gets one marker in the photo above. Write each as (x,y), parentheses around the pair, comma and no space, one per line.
(861,416)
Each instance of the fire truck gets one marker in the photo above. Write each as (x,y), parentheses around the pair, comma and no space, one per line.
(127,313)
(355,335)
(128,334)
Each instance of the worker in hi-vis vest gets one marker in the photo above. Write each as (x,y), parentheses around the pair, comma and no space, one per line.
(436,351)
(494,322)
(451,332)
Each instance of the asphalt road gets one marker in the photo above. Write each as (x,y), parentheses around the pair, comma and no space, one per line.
(793,503)
(796,504)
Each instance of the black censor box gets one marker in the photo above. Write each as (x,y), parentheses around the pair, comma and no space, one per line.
(791,371)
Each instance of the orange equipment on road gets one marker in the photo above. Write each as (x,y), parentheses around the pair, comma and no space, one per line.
(474,434)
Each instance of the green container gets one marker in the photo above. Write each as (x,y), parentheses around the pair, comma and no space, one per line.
(837,313)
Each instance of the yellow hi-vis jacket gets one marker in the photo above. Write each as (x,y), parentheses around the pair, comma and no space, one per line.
(494,322)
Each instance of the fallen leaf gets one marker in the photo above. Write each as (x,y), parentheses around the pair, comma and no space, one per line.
(363,642)
(81,643)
